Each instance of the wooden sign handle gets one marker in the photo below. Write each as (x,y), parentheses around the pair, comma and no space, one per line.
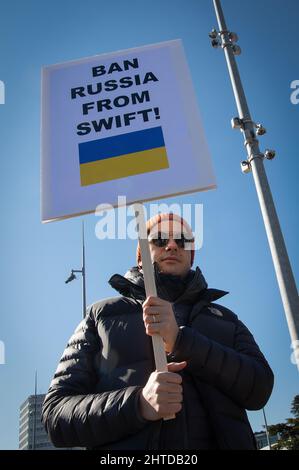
(150,286)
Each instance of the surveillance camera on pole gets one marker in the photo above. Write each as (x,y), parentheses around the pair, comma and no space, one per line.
(236,49)
(213,34)
(269,154)
(245,166)
(233,36)
(260,130)
(236,123)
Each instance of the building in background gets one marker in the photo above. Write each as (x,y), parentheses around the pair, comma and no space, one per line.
(32,433)
(261,439)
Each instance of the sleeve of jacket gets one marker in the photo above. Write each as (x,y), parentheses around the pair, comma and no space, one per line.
(76,416)
(242,372)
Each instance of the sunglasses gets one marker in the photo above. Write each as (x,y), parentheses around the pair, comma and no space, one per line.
(162,240)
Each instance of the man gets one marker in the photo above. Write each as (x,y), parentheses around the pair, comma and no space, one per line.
(106,393)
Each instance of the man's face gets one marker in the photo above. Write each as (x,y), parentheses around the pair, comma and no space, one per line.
(171,258)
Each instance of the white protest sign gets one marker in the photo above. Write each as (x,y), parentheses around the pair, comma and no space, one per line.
(124,123)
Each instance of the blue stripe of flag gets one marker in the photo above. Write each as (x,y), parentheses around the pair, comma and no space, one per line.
(121,145)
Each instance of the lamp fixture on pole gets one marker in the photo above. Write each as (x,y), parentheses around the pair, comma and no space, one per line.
(82,271)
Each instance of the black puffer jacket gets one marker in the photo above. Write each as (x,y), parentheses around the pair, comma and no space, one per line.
(93,397)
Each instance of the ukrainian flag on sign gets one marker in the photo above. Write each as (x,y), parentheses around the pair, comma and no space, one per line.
(121,156)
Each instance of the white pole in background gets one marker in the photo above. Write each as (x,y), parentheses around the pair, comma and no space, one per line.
(282,266)
(267,431)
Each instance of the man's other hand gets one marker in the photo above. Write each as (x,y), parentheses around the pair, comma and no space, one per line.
(162,395)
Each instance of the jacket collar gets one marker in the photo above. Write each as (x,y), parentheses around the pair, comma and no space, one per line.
(195,288)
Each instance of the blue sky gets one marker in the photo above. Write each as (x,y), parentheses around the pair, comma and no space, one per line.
(38,311)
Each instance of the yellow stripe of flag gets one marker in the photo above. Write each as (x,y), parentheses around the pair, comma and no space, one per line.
(123,166)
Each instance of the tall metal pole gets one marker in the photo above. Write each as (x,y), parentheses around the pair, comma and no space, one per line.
(83,273)
(266,427)
(283,270)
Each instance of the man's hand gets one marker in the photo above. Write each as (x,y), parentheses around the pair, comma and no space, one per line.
(163,393)
(159,319)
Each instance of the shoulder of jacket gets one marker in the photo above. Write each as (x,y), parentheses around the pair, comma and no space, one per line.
(110,305)
(222,312)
